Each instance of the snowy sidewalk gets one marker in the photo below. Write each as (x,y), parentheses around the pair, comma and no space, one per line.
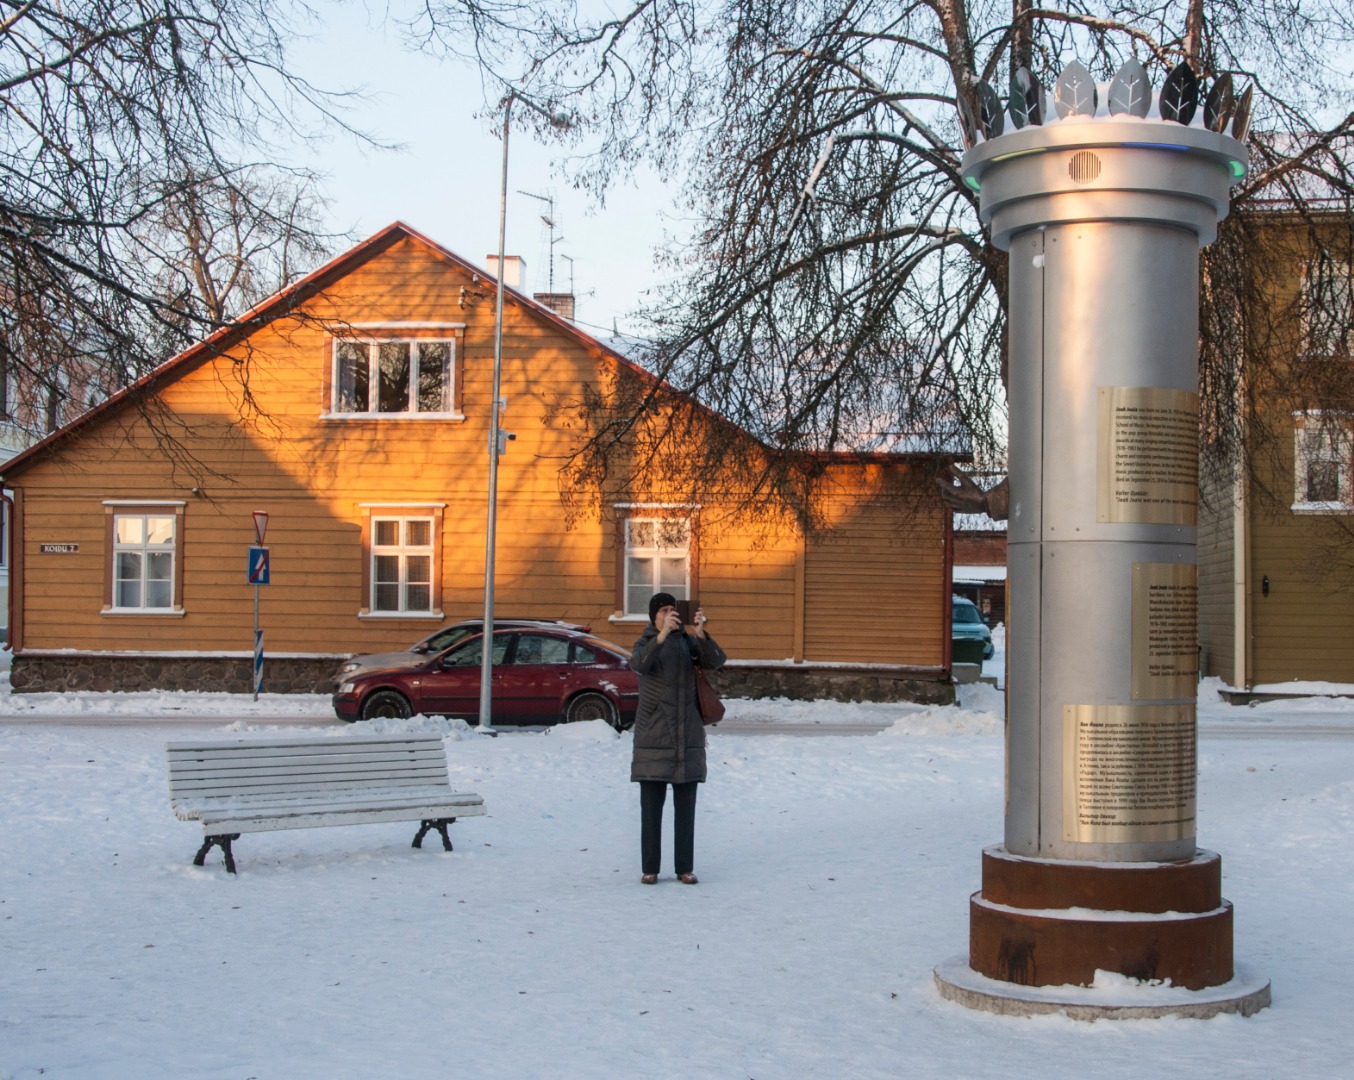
(835,875)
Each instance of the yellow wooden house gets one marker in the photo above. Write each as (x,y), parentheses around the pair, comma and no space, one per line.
(354,410)
(1276,528)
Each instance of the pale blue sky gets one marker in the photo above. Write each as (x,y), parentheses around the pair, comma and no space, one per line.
(446,181)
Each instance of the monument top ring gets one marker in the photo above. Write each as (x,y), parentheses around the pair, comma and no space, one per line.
(1097,169)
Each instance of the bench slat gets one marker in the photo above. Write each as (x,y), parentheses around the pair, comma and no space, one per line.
(183,758)
(198,809)
(266,786)
(381,798)
(217,810)
(238,759)
(302,819)
(356,775)
(309,743)
(276,765)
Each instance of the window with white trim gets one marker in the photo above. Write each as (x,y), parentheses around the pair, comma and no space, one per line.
(402,564)
(657,559)
(394,377)
(144,554)
(1328,308)
(1323,480)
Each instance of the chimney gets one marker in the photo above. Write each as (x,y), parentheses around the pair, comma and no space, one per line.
(561,303)
(514,269)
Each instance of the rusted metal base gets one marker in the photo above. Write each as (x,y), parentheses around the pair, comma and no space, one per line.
(1052,922)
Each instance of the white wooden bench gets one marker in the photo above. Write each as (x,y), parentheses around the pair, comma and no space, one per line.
(236,786)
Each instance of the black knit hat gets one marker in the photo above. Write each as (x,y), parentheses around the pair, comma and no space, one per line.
(660,600)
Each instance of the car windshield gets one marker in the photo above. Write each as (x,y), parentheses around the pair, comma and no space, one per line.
(966,613)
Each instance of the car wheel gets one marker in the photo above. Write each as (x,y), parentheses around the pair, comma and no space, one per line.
(386,704)
(592,707)
(989,651)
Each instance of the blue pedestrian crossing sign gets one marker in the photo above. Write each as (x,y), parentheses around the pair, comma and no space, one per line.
(258,566)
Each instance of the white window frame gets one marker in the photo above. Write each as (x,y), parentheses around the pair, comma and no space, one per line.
(373,345)
(403,550)
(1308,427)
(146,548)
(655,550)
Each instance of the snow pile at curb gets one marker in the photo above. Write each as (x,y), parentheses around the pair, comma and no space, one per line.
(587,731)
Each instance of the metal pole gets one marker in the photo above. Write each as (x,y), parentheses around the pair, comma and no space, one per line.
(256,667)
(487,638)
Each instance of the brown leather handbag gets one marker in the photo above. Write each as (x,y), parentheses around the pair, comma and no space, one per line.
(707,699)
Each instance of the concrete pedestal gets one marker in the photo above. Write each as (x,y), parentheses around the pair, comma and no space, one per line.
(1109,999)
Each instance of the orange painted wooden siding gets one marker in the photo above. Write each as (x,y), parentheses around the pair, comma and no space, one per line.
(313,474)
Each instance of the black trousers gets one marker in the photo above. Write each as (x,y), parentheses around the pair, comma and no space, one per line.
(652,795)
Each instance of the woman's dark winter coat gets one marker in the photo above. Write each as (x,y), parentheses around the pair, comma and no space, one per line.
(669,733)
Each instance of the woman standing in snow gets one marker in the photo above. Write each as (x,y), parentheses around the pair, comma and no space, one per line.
(669,733)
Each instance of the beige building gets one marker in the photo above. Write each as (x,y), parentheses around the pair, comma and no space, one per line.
(1276,532)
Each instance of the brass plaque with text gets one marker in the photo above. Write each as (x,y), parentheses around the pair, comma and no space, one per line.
(1165,630)
(1129,773)
(1147,456)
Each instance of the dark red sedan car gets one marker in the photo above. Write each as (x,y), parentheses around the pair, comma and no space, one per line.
(540,676)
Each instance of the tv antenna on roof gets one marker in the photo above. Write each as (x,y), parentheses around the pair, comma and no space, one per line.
(548,219)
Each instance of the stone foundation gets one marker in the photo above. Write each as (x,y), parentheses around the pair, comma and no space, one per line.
(56,672)
(46,673)
(810,682)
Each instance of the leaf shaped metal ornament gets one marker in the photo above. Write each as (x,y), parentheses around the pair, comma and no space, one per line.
(1219,103)
(968,127)
(1037,103)
(1027,99)
(992,120)
(1019,103)
(1131,90)
(1180,95)
(1241,115)
(1075,94)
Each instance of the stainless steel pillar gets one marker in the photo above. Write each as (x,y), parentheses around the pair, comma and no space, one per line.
(1103,218)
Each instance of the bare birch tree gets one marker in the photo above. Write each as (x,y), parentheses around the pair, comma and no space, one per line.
(138,208)
(837,290)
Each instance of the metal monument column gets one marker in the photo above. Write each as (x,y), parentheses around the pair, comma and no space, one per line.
(1103,212)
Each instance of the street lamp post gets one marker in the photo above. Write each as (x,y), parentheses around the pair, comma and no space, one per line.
(496,435)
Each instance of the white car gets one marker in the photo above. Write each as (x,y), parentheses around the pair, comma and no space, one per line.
(435,643)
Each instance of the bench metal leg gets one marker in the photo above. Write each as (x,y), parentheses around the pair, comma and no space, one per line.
(440,824)
(222,841)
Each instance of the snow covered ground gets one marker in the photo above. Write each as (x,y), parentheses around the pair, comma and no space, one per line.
(835,874)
